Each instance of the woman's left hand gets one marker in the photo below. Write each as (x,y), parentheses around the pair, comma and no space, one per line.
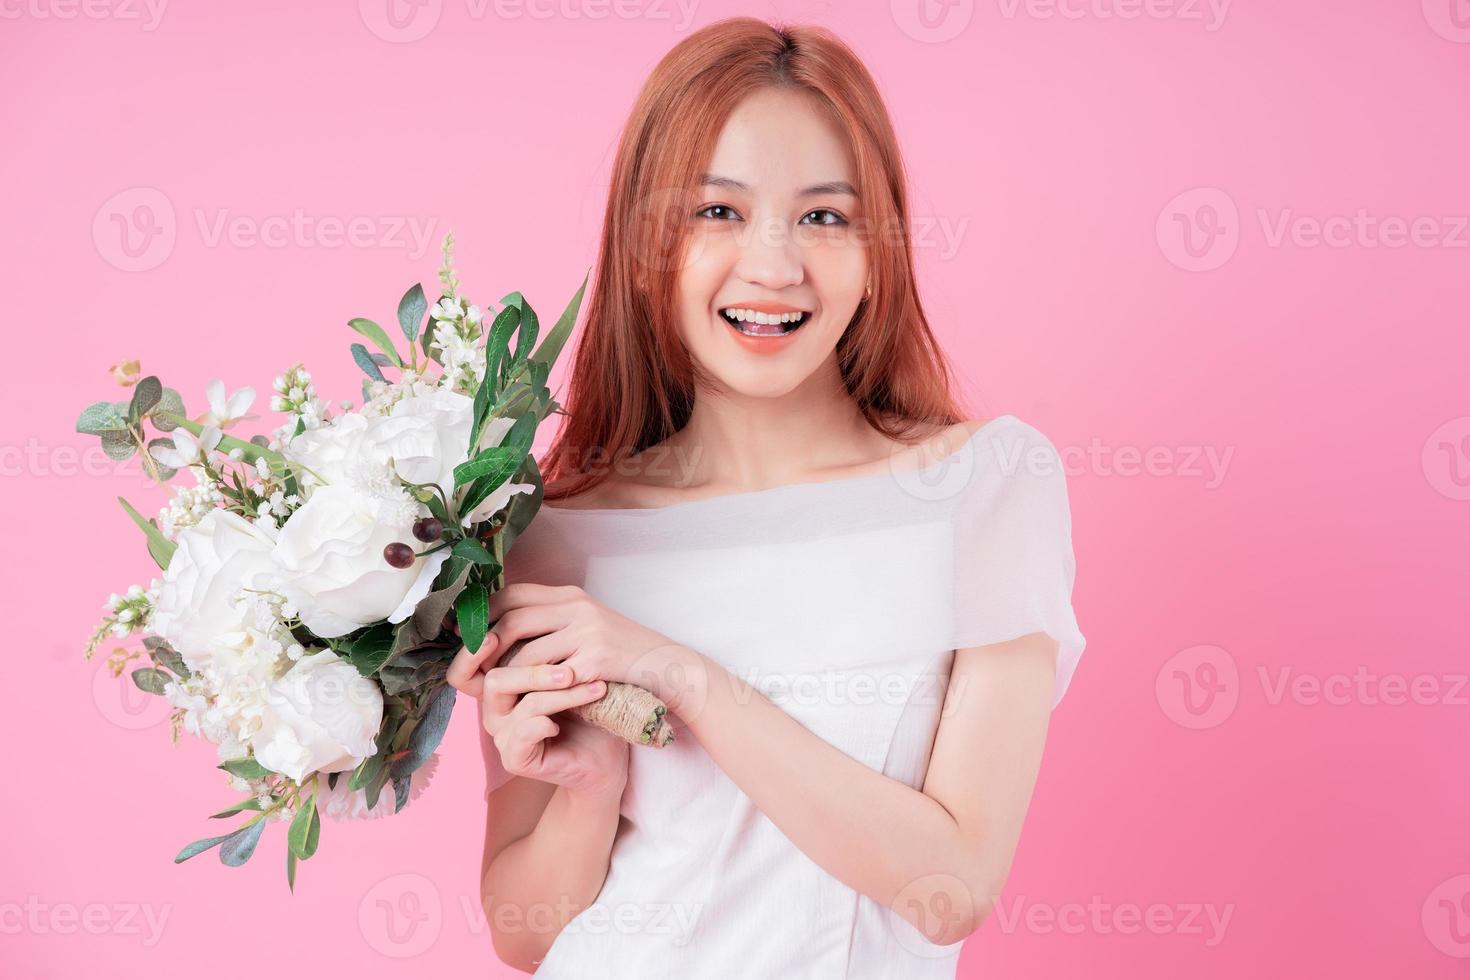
(572,628)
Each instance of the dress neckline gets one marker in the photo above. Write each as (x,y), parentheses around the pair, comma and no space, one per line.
(807,485)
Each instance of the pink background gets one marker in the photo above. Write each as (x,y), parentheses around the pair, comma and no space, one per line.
(1269,431)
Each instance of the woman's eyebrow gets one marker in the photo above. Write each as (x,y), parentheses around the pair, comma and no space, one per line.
(829,187)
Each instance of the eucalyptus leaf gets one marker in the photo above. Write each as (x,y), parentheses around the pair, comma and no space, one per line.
(119,445)
(250,804)
(199,847)
(150,679)
(378,336)
(170,407)
(164,472)
(365,361)
(291,870)
(429,733)
(246,768)
(146,394)
(100,417)
(241,844)
(411,311)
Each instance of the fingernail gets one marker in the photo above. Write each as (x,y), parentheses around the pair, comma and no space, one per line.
(561,674)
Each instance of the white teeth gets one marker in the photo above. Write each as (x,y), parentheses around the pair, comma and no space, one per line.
(751,316)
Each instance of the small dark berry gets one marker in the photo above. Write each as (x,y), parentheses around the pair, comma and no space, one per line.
(428,529)
(398,554)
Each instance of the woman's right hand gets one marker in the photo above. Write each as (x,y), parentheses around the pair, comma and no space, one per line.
(516,705)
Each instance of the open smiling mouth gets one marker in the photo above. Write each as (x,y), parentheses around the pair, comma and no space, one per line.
(753,324)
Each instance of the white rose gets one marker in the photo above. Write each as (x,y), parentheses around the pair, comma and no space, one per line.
(213,561)
(322,715)
(329,452)
(426,436)
(330,557)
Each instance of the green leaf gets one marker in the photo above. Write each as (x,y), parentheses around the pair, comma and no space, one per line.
(372,767)
(305,829)
(428,616)
(367,649)
(170,405)
(146,394)
(365,361)
(241,844)
(378,336)
(429,733)
(530,325)
(246,768)
(100,417)
(291,870)
(199,847)
(150,679)
(471,549)
(499,462)
(250,804)
(411,311)
(495,346)
(119,445)
(160,547)
(426,338)
(471,610)
(164,472)
(166,655)
(551,347)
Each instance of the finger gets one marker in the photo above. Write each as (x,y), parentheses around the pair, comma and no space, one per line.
(549,649)
(525,622)
(465,671)
(519,679)
(527,593)
(550,702)
(523,748)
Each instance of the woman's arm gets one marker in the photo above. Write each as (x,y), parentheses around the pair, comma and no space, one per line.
(938,857)
(546,857)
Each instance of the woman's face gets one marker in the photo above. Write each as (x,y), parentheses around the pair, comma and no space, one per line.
(774,230)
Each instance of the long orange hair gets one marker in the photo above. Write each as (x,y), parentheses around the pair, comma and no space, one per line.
(633,381)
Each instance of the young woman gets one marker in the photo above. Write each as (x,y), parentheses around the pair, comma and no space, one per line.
(764,507)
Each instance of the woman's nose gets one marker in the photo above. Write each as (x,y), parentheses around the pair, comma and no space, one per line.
(770,256)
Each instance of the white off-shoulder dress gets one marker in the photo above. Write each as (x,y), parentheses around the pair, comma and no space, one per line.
(843,602)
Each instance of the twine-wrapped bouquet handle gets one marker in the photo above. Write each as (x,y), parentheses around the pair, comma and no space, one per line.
(628,711)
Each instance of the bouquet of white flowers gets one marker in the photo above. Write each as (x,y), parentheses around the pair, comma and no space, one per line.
(317,582)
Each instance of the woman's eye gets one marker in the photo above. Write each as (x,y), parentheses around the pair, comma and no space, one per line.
(728,212)
(836,219)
